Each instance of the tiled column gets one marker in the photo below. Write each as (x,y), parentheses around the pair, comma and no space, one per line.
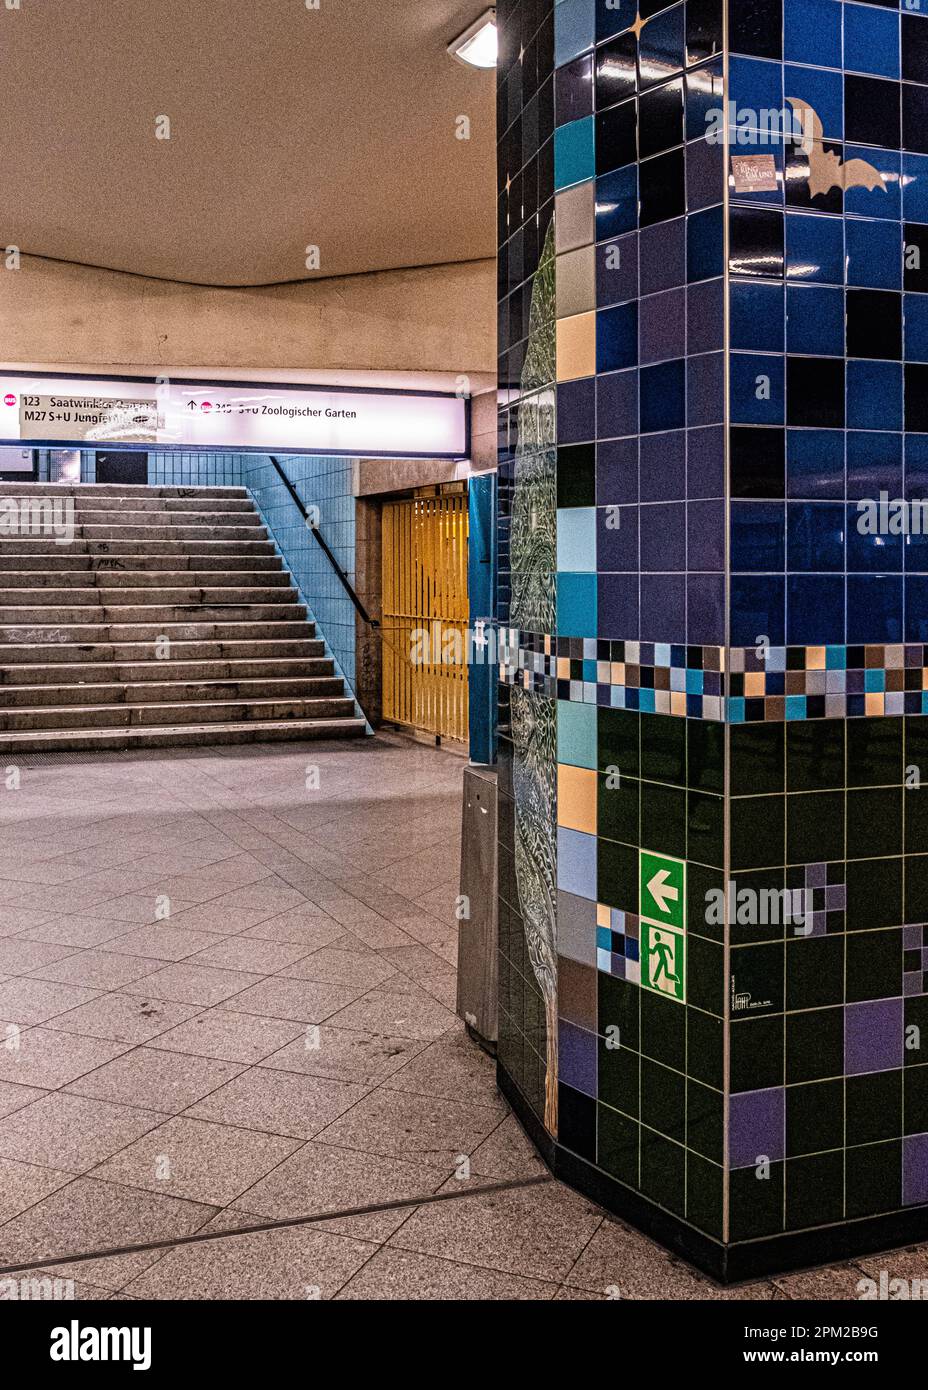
(714,848)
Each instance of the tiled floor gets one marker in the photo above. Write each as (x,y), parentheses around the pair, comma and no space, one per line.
(227,999)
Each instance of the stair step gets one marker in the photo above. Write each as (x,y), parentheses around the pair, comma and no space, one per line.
(178,736)
(117,490)
(112,595)
(165,691)
(188,712)
(204,649)
(128,672)
(83,624)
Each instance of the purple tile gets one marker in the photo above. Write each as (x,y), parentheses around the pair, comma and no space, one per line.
(617,472)
(576,411)
(911,938)
(912,982)
(663,608)
(836,896)
(705,462)
(873,1036)
(616,404)
(706,535)
(617,606)
(705,389)
(816,875)
(577,1057)
(756,1126)
(662,527)
(705,609)
(663,466)
(915,1169)
(617,545)
(618,966)
(662,326)
(662,256)
(705,325)
(617,276)
(705,175)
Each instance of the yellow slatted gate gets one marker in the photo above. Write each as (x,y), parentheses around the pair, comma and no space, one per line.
(425,614)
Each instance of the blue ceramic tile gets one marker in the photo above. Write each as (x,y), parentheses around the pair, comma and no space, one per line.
(614,18)
(617,270)
(874,463)
(815,536)
(881,201)
(814,247)
(662,326)
(576,538)
(617,338)
(616,202)
(705,175)
(662,397)
(814,609)
(574,29)
(616,472)
(915,320)
(704,244)
(757,396)
(915,187)
(916,608)
(874,254)
(815,320)
(705,389)
(576,411)
(662,252)
(866,553)
(705,463)
(705,609)
(824,91)
(705,316)
(871,40)
(660,46)
(757,606)
(874,608)
(758,536)
(755,84)
(812,32)
(756,316)
(574,153)
(704,98)
(576,605)
(706,535)
(617,547)
(814,463)
(874,395)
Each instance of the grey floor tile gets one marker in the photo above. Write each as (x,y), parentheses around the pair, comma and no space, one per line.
(22,1185)
(154,1080)
(507,1153)
(124,1018)
(400,1275)
(251,953)
(13,1097)
(536,1232)
(78,932)
(164,941)
(18,955)
(345,1054)
(303,926)
(412,1014)
(72,1132)
(88,1215)
(424,1129)
(102,970)
(295,1263)
(26,1001)
(187,983)
(50,1059)
(231,1037)
(844,1282)
(300,1000)
(198,1160)
(279,1102)
(454,1068)
(359,969)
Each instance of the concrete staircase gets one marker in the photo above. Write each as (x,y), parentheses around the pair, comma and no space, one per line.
(84,663)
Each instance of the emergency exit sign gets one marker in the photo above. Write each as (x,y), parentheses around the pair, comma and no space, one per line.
(662,909)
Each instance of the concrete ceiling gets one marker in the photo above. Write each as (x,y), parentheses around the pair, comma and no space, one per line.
(289,127)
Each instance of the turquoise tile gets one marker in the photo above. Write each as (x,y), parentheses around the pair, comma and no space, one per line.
(576,733)
(576,539)
(576,605)
(574,153)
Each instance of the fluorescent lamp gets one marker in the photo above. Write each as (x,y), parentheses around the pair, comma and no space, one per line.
(478,46)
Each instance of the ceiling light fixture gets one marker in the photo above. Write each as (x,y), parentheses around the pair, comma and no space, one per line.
(477,46)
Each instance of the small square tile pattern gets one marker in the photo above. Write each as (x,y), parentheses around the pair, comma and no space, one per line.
(737,644)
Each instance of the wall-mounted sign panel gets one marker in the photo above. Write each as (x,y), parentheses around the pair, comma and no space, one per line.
(246,416)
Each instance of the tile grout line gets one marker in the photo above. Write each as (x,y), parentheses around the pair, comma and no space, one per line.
(330,1214)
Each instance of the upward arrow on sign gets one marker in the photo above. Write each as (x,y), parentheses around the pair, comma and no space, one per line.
(662,891)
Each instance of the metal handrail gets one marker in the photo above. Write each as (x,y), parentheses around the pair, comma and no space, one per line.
(373,623)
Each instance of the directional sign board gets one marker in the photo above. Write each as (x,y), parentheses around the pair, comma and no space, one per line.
(662,906)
